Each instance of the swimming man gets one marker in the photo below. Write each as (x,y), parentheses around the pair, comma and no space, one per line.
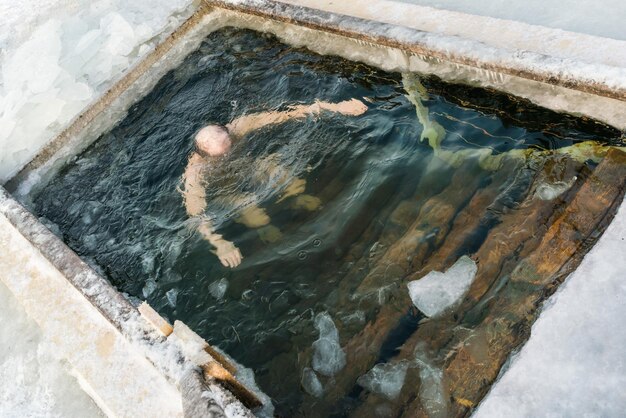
(215,141)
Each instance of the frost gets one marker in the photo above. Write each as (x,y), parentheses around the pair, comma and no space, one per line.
(385,379)
(311,383)
(436,292)
(218,288)
(328,356)
(246,377)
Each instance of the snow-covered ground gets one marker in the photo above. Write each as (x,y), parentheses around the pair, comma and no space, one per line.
(33,381)
(594,17)
(574,363)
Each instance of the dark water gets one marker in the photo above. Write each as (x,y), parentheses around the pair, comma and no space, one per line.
(119,206)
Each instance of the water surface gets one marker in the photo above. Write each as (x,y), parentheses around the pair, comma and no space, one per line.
(119,204)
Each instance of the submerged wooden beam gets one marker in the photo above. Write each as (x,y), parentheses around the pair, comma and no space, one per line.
(468,351)
(513,223)
(441,217)
(475,362)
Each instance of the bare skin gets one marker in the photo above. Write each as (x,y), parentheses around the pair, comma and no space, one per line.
(213,142)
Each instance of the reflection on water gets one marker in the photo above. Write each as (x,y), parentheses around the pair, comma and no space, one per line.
(298,310)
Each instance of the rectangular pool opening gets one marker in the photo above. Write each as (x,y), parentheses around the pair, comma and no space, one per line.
(397,233)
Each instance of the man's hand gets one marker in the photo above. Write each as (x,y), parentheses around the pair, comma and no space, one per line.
(228,253)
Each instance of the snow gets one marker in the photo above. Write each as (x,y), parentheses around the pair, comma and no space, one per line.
(56,57)
(328,356)
(437,292)
(601,18)
(574,363)
(34,382)
(385,379)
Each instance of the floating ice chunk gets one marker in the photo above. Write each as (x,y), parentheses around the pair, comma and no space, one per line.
(436,292)
(90,241)
(148,288)
(172,296)
(328,356)
(385,379)
(217,289)
(549,191)
(431,386)
(311,383)
(147,263)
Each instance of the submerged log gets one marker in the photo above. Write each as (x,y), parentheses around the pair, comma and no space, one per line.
(462,200)
(492,212)
(428,229)
(475,358)
(512,224)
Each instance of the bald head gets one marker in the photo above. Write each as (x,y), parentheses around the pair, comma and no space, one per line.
(213,140)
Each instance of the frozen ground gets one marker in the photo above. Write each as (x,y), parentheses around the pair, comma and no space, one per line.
(574,362)
(33,381)
(56,56)
(593,17)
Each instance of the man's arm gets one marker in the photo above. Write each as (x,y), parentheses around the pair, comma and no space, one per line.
(194,196)
(243,125)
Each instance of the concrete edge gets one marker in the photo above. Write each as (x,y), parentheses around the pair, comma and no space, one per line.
(497,32)
(561,72)
(177,359)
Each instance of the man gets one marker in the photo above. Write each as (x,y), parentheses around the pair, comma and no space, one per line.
(215,141)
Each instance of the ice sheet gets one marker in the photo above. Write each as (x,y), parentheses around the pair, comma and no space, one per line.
(574,363)
(58,56)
